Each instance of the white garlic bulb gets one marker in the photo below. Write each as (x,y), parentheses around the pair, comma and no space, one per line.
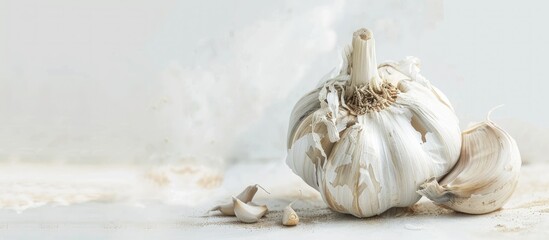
(367,138)
(485,175)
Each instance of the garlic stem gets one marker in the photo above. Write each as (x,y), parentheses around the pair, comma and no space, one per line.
(364,63)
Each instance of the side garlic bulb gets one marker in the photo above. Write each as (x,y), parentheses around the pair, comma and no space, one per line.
(369,137)
(485,175)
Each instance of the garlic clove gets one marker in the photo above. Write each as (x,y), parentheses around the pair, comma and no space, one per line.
(248,213)
(306,105)
(485,175)
(249,192)
(289,217)
(245,196)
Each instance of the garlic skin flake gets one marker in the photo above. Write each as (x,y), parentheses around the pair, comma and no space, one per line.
(289,216)
(225,209)
(485,175)
(245,196)
(367,138)
(248,213)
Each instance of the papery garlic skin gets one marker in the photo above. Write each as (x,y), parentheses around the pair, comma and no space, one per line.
(485,175)
(364,161)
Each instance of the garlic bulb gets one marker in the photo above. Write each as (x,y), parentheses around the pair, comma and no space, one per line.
(367,138)
(485,175)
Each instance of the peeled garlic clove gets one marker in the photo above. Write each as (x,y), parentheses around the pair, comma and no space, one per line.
(245,196)
(485,175)
(289,217)
(248,213)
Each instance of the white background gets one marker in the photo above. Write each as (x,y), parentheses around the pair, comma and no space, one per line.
(215,81)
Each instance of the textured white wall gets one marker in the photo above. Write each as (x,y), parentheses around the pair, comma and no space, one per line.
(210,81)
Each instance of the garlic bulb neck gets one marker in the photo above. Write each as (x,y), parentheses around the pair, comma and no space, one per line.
(364,63)
(367,91)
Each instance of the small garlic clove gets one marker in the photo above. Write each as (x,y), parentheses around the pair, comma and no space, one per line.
(248,213)
(289,217)
(245,196)
(485,175)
